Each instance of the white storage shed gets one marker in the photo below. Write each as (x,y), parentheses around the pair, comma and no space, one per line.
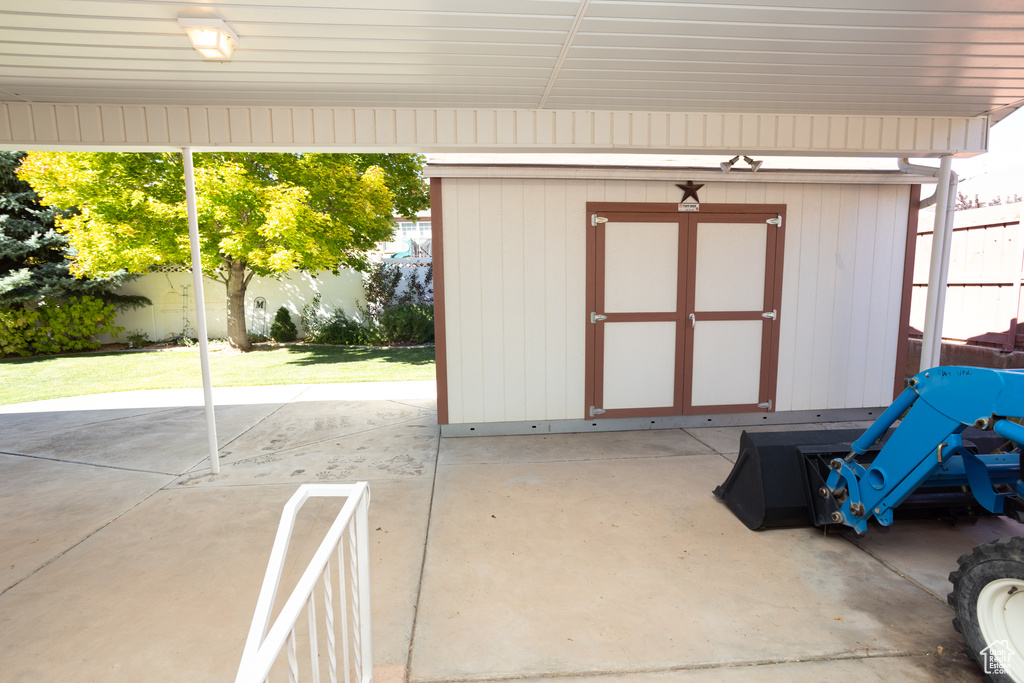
(575,298)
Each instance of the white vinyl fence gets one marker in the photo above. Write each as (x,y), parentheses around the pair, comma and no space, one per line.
(335,639)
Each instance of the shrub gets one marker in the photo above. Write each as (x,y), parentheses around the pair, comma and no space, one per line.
(408,324)
(380,286)
(387,320)
(283,329)
(70,325)
(137,339)
(332,328)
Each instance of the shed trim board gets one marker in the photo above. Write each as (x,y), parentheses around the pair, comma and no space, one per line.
(597,172)
(437,259)
(514,343)
(126,127)
(632,424)
(910,254)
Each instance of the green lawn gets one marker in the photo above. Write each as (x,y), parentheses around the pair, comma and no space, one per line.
(33,379)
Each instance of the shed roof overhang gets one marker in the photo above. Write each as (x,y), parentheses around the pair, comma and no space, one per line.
(811,77)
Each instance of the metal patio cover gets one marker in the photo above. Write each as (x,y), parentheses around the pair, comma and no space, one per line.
(558,74)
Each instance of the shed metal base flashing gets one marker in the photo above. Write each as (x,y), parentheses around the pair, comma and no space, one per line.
(675,422)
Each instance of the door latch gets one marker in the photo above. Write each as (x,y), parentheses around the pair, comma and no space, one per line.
(693,320)
(597,317)
(769,315)
(595,411)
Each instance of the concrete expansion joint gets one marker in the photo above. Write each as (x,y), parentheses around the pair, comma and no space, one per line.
(411,405)
(258,422)
(697,666)
(699,440)
(903,575)
(46,430)
(82,540)
(102,466)
(423,560)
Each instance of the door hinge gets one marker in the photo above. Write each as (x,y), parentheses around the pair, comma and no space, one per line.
(775,221)
(595,219)
(767,405)
(595,411)
(770,315)
(597,317)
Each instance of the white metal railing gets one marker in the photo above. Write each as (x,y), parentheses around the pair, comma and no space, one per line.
(347,617)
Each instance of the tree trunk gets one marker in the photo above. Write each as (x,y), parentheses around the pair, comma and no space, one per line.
(236,282)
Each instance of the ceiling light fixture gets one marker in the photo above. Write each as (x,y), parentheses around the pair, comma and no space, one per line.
(754,165)
(212,38)
(726,166)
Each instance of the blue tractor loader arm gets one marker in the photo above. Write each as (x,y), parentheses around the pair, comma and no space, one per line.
(927,449)
(955,452)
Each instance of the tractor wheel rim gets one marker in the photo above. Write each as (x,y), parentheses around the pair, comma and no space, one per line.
(1001,621)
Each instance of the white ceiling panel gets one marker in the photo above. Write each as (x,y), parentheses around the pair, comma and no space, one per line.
(868,57)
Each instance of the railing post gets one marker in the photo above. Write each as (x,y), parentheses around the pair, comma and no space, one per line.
(363,557)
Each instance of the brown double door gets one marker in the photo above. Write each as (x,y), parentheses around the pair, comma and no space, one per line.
(683,308)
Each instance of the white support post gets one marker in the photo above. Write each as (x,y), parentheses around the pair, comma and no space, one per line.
(197,288)
(947,244)
(931,342)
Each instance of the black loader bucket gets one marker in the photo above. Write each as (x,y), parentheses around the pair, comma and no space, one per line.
(775,480)
(768,487)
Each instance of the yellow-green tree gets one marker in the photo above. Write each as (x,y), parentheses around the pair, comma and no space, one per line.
(259,213)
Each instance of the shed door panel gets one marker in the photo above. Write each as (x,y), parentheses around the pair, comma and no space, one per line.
(639,344)
(733,312)
(636,356)
(727,371)
(730,266)
(641,267)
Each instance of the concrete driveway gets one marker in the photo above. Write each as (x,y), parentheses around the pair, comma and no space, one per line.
(601,557)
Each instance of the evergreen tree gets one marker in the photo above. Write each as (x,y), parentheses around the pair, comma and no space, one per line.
(34,256)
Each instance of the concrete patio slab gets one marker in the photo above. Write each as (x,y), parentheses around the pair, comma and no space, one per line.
(632,565)
(168,593)
(404,450)
(46,420)
(48,507)
(926,551)
(600,556)
(947,667)
(301,424)
(569,447)
(169,441)
(162,399)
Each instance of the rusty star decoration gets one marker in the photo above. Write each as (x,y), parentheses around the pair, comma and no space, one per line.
(689,190)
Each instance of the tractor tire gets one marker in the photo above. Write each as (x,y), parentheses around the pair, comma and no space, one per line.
(988,599)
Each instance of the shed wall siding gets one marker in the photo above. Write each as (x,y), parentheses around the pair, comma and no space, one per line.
(515,285)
